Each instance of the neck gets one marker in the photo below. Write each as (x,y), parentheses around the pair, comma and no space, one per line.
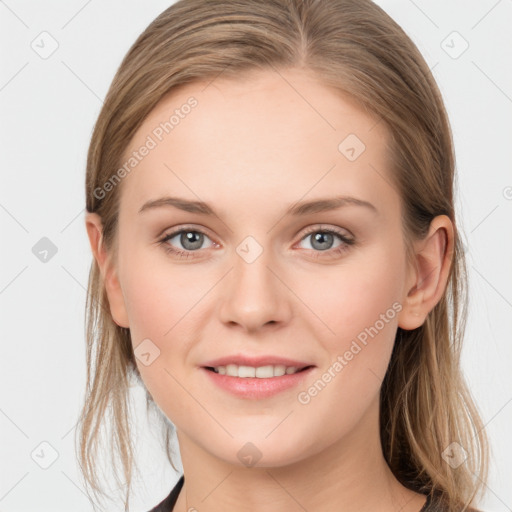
(351,475)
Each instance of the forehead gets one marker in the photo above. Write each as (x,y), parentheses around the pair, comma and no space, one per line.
(264,133)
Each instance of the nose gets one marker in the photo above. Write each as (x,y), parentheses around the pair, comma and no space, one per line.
(255,295)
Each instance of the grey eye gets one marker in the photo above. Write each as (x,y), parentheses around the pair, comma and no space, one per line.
(190,239)
(322,240)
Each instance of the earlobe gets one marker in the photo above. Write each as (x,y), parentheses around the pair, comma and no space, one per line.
(107,268)
(432,263)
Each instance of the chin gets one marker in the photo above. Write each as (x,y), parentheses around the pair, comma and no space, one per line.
(256,451)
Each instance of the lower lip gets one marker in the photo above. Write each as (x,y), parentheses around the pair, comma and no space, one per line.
(254,388)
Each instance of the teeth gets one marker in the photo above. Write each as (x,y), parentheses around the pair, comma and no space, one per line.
(262,372)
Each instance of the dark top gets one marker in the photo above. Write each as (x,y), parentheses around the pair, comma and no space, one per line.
(167,505)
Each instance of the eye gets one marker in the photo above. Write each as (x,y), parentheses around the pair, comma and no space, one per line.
(329,241)
(323,242)
(191,240)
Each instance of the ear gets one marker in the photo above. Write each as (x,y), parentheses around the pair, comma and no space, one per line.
(107,268)
(428,278)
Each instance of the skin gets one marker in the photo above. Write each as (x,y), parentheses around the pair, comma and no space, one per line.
(250,148)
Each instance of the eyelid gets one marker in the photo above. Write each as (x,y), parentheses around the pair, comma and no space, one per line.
(327,227)
(185,227)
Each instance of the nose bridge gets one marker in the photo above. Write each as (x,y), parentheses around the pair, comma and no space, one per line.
(254,295)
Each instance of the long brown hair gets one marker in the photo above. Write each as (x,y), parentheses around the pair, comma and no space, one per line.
(355,46)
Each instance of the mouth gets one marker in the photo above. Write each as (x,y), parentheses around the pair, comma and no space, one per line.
(260,372)
(257,382)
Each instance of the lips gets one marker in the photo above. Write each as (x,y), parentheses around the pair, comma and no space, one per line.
(250,388)
(256,361)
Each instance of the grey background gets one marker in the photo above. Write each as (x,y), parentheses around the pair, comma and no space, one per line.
(49,104)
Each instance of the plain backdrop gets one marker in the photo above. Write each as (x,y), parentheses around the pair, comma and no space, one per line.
(49,103)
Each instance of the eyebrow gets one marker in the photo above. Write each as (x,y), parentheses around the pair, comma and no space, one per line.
(296,209)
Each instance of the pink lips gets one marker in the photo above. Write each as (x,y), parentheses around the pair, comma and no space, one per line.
(254,388)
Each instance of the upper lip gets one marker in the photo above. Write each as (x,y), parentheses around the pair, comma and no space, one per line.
(255,361)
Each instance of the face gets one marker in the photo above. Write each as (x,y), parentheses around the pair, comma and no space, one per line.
(272,274)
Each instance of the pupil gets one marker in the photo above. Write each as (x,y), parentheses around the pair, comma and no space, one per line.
(191,240)
(322,238)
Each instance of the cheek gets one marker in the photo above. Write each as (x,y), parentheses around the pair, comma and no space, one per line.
(158,293)
(166,305)
(352,296)
(358,305)
(160,304)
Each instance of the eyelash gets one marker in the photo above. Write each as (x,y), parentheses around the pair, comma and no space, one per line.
(346,243)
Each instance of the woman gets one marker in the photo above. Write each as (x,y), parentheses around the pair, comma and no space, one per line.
(270,208)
